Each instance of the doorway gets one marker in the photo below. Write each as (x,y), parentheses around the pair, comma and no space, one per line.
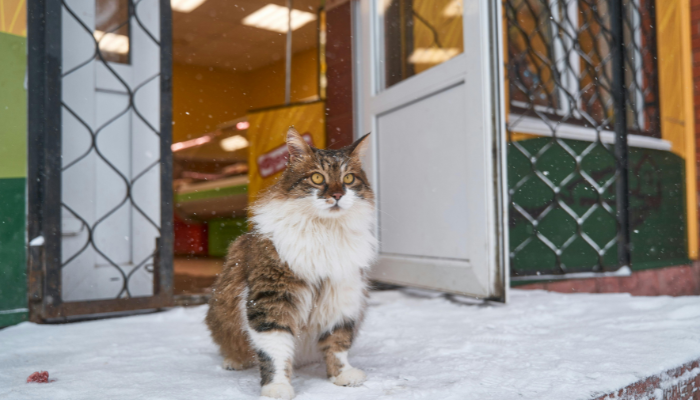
(230,70)
(239,74)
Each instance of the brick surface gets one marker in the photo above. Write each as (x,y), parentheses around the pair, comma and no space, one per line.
(630,284)
(694,15)
(676,384)
(339,121)
(581,286)
(561,287)
(535,286)
(683,280)
(609,284)
(648,284)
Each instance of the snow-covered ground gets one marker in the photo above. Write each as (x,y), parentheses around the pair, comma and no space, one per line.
(413,346)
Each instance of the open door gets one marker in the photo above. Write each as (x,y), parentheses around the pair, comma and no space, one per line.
(429,89)
(101,211)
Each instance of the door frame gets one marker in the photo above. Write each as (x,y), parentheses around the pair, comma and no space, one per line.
(44,173)
(364,71)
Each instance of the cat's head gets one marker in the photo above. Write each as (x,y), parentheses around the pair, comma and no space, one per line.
(331,181)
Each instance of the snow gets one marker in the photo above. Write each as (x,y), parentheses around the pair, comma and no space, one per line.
(413,345)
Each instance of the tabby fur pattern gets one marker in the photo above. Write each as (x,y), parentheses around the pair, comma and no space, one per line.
(294,289)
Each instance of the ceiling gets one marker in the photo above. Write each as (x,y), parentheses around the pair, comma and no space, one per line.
(212,35)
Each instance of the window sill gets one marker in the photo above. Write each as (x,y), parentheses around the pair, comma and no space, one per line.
(622,271)
(535,126)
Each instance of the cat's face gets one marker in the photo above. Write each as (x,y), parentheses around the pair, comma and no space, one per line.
(332,181)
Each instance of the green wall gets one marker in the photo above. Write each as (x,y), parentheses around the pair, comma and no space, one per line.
(13,173)
(13,286)
(657,208)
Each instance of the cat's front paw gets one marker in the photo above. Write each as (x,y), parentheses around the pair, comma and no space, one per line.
(278,391)
(350,377)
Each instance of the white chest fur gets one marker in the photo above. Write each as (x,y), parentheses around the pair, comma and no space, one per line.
(330,254)
(317,248)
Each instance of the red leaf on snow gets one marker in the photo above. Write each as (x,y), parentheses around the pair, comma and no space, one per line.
(39,377)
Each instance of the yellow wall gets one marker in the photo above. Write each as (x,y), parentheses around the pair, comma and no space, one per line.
(676,97)
(204,98)
(268,82)
(213,96)
(13,95)
(13,17)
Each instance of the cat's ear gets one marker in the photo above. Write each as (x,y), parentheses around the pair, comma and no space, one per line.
(297,146)
(359,148)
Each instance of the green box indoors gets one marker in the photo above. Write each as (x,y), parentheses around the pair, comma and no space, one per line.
(223,231)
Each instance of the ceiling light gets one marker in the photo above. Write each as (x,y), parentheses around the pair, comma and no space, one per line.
(185,6)
(243,125)
(112,42)
(276,18)
(454,9)
(385,4)
(234,143)
(432,55)
(190,143)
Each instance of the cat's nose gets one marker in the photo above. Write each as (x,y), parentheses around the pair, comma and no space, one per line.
(337,196)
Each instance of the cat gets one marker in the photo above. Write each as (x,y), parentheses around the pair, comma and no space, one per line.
(294,288)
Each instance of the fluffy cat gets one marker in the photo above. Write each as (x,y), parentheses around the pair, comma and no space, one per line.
(294,288)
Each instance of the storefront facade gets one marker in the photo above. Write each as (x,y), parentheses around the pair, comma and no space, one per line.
(514,173)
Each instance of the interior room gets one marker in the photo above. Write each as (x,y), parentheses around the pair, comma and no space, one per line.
(229,63)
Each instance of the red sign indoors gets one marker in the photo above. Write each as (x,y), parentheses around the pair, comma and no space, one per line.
(275,160)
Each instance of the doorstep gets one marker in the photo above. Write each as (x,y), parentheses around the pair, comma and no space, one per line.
(195,275)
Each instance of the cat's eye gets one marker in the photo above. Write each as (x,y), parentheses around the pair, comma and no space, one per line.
(317,178)
(349,178)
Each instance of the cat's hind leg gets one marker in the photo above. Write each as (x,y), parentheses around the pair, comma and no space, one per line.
(226,321)
(335,345)
(233,342)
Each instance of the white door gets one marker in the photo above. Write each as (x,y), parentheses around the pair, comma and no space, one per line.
(428,88)
(110,150)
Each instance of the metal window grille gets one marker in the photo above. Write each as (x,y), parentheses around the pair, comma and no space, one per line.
(49,162)
(581,77)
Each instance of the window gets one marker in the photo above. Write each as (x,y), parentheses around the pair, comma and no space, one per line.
(559,62)
(418,35)
(112,30)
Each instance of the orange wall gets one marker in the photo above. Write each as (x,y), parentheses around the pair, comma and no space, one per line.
(13,17)
(204,97)
(267,83)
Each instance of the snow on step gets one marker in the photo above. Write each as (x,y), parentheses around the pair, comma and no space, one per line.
(412,345)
